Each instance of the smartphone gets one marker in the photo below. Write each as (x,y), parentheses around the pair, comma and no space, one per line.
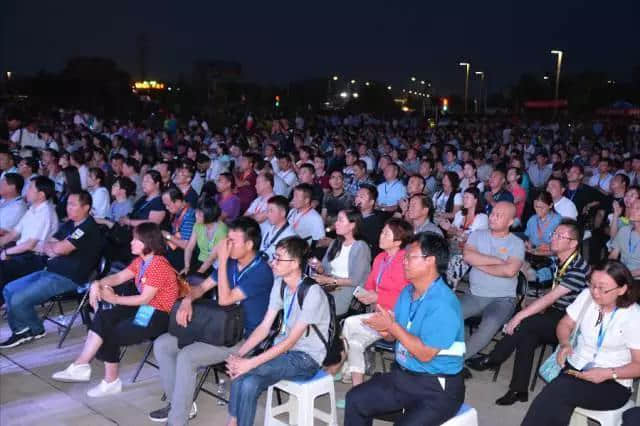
(358,291)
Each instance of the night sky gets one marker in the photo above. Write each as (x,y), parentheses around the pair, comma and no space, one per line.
(285,40)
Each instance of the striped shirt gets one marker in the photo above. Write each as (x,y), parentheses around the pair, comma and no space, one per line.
(185,227)
(574,279)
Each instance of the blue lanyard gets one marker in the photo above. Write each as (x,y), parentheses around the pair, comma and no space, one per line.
(603,331)
(141,272)
(414,307)
(235,277)
(633,248)
(287,311)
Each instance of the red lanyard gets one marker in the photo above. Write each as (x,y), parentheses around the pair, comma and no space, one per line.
(299,217)
(177,223)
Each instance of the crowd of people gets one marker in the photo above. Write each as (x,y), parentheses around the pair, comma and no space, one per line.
(398,230)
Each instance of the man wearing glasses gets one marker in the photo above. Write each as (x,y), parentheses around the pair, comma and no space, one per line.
(626,244)
(425,380)
(536,324)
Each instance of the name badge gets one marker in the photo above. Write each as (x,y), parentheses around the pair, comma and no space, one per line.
(401,353)
(143,315)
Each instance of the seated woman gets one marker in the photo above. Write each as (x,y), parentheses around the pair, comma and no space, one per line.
(227,199)
(208,231)
(620,215)
(347,262)
(448,201)
(383,286)
(183,217)
(598,372)
(470,218)
(126,320)
(540,228)
(122,190)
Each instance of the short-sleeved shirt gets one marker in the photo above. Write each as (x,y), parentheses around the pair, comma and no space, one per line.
(620,335)
(436,318)
(143,207)
(11,211)
(120,209)
(184,226)
(428,226)
(38,223)
(272,235)
(315,310)
(87,240)
(539,232)
(255,281)
(387,278)
(628,242)
(390,193)
(518,191)
(574,279)
(334,204)
(230,206)
(205,244)
(486,285)
(566,208)
(307,225)
(160,274)
(502,195)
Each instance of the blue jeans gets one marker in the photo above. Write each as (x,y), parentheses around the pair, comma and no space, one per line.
(24,294)
(246,389)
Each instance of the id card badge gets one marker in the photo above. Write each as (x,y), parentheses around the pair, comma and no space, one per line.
(401,353)
(143,315)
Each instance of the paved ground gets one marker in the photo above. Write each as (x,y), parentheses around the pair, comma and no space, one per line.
(28,396)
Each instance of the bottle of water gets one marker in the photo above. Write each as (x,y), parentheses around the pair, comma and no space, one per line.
(221,391)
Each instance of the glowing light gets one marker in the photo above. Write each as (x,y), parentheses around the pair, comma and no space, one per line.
(344,94)
(355,95)
(149,85)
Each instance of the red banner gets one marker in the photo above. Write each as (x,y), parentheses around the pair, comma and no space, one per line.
(547,104)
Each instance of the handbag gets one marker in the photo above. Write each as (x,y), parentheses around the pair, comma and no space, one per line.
(550,369)
(210,323)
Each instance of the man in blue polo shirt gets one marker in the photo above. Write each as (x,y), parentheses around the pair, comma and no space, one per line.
(428,329)
(392,190)
(244,277)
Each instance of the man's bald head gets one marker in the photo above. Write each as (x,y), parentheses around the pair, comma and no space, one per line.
(502,216)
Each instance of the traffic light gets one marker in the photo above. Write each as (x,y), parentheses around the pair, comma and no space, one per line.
(445,104)
(277,101)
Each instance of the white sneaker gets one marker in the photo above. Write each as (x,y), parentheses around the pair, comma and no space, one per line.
(73,373)
(194,411)
(105,389)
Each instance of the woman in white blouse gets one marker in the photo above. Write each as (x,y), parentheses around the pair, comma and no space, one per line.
(598,372)
(470,218)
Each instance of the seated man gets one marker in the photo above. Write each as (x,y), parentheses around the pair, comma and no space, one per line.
(626,244)
(495,256)
(36,226)
(243,277)
(303,218)
(297,353)
(427,325)
(12,205)
(73,254)
(278,228)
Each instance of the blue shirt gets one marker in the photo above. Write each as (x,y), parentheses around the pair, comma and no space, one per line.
(390,193)
(437,321)
(186,226)
(255,281)
(502,195)
(540,232)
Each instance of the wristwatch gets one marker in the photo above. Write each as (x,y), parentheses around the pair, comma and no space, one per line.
(169,237)
(614,374)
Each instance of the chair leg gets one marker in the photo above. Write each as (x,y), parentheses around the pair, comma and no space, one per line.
(144,360)
(496,373)
(201,382)
(60,308)
(78,310)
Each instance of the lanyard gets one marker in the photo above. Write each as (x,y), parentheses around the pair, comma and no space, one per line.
(563,269)
(141,272)
(541,229)
(287,311)
(383,267)
(571,193)
(235,277)
(142,207)
(414,307)
(633,248)
(603,331)
(299,217)
(177,223)
(275,237)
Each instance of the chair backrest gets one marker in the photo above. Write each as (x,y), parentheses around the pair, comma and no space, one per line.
(104,266)
(522,287)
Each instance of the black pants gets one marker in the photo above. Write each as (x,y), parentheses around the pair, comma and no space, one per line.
(532,331)
(176,258)
(631,417)
(116,328)
(18,266)
(422,397)
(555,404)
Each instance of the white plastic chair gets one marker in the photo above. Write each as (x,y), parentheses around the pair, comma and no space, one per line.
(581,416)
(301,402)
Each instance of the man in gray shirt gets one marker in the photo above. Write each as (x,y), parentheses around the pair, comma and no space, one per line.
(626,244)
(298,351)
(495,256)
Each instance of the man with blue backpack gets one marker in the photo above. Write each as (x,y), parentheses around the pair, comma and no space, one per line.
(302,343)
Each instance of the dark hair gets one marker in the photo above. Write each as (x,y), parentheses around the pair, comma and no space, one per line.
(15,180)
(579,167)
(31,163)
(174,194)
(268,177)
(622,277)
(127,184)
(454,179)
(518,171)
(561,181)
(133,163)
(432,244)
(71,179)
(545,197)
(155,176)
(426,202)
(210,210)
(360,163)
(353,216)
(229,176)
(84,197)
(188,165)
(98,174)
(625,179)
(45,185)
(476,194)
(401,229)
(306,188)
(150,235)
(77,157)
(250,229)
(372,190)
(309,167)
(574,229)
(419,177)
(296,248)
(280,201)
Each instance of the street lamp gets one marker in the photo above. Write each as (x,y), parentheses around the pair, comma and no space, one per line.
(422,82)
(558,67)
(366,83)
(8,75)
(388,87)
(482,91)
(413,79)
(353,82)
(355,95)
(335,78)
(467,65)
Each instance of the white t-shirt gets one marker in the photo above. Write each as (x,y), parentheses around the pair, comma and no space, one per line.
(440,201)
(83,171)
(480,221)
(289,178)
(621,334)
(566,208)
(464,184)
(340,264)
(600,183)
(307,225)
(38,223)
(11,211)
(101,203)
(271,237)
(259,205)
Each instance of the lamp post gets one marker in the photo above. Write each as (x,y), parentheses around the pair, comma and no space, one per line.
(483,93)
(467,65)
(558,67)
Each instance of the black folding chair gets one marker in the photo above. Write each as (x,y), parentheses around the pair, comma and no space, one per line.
(145,360)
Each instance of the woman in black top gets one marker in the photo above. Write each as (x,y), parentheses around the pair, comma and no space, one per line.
(149,207)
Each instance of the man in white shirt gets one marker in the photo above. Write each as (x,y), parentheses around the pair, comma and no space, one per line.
(286,173)
(27,137)
(277,227)
(7,163)
(101,200)
(38,224)
(305,220)
(258,207)
(561,204)
(601,179)
(12,206)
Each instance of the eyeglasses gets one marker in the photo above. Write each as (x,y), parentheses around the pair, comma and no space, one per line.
(601,290)
(562,237)
(280,259)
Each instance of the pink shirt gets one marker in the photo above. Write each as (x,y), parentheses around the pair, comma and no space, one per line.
(518,192)
(387,278)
